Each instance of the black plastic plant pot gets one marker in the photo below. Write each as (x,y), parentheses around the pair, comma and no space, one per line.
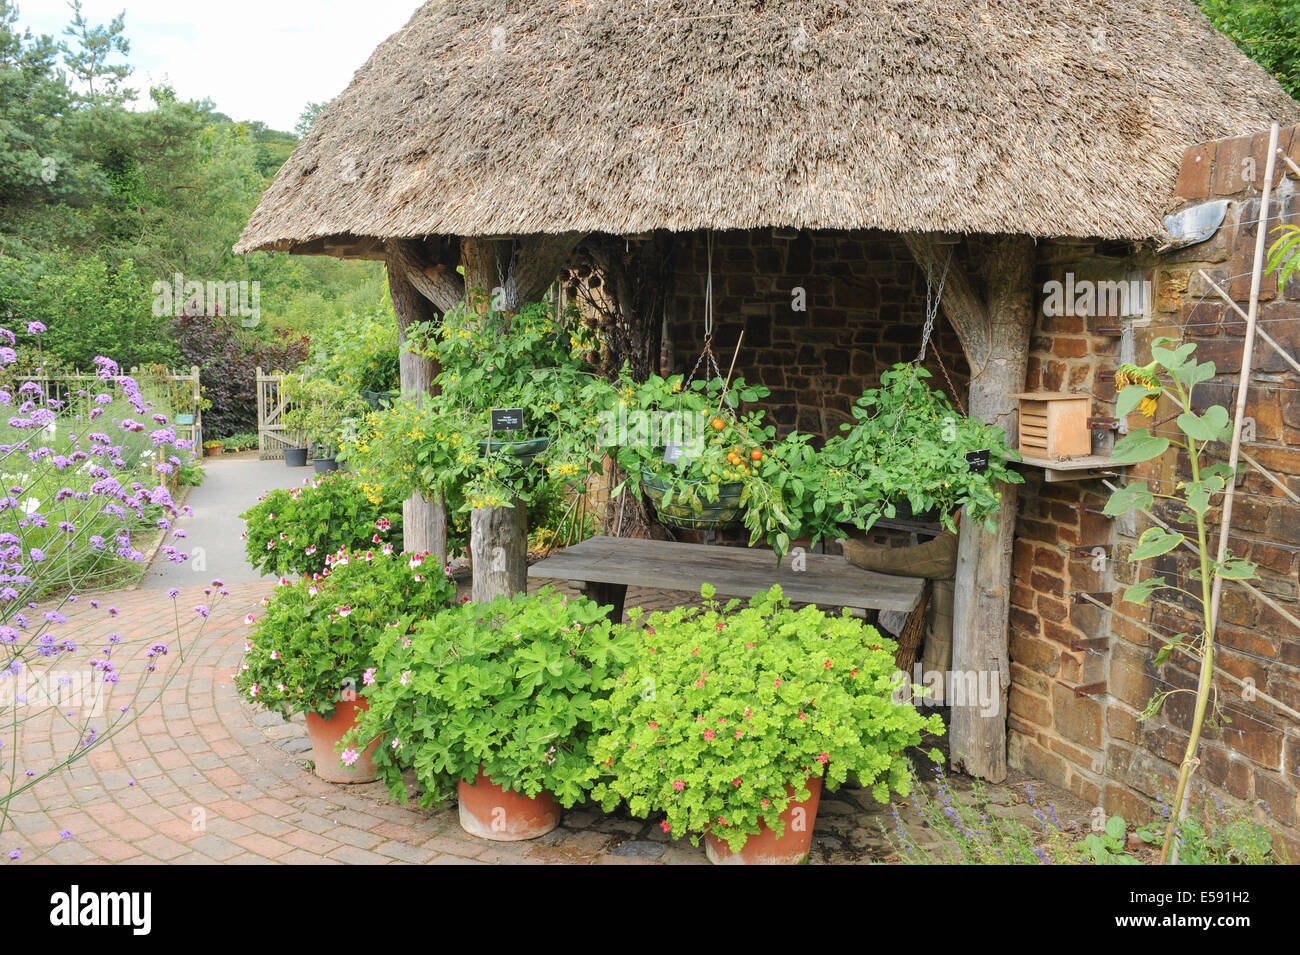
(709,516)
(379,400)
(295,457)
(325,465)
(525,451)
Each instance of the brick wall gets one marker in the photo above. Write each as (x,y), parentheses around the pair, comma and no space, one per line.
(1093,741)
(865,307)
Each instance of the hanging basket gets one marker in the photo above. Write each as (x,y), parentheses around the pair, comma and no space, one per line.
(525,451)
(710,516)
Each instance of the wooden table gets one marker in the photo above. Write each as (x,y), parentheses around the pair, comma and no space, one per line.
(603,567)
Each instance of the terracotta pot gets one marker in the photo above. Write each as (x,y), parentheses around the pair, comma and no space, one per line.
(502,815)
(765,848)
(325,735)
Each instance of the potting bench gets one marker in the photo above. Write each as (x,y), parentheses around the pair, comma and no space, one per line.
(603,567)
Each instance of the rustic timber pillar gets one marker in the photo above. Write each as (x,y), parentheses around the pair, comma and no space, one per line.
(994,319)
(520,271)
(424,523)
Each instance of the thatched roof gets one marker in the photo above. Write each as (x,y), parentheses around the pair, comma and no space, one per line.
(500,117)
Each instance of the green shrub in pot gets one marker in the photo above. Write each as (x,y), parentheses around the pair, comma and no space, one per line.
(510,687)
(724,708)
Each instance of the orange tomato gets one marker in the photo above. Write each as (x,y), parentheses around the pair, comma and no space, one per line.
(718,424)
(756,455)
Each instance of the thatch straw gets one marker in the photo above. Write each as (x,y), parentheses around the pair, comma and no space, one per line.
(501,117)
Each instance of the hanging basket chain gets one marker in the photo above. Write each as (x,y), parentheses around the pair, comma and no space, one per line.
(933,299)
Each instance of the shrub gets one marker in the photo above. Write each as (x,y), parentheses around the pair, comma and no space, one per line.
(510,687)
(228,357)
(724,709)
(293,530)
(315,642)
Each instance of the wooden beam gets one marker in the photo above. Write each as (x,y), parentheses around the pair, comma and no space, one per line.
(443,288)
(994,326)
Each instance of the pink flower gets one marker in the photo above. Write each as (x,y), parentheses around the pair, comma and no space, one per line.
(679,785)
(708,736)
(823,758)
(368,678)
(349,757)
(654,725)
(665,827)
(255,690)
(406,678)
(738,733)
(736,782)
(802,715)
(828,664)
(275,654)
(249,619)
(344,611)
(750,645)
(778,681)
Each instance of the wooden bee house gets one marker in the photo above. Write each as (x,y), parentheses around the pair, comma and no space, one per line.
(1054,424)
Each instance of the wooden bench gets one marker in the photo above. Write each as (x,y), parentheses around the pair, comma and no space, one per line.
(604,567)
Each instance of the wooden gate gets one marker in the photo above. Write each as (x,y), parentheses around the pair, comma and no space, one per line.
(272,436)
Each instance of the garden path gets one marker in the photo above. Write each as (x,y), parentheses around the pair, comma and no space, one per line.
(213,533)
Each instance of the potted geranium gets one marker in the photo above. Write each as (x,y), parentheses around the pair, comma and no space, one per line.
(312,650)
(294,530)
(212,449)
(494,703)
(730,721)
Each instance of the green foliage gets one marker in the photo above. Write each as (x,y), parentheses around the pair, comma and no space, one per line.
(292,531)
(726,713)
(1268,31)
(909,444)
(315,642)
(358,352)
(528,360)
(1284,253)
(322,410)
(99,201)
(90,309)
(1220,837)
(1195,500)
(239,442)
(1107,847)
(511,687)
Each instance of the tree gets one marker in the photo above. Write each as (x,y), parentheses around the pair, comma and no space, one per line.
(1268,31)
(96,45)
(310,113)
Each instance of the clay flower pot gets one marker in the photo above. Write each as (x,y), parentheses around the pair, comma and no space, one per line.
(502,815)
(764,848)
(325,735)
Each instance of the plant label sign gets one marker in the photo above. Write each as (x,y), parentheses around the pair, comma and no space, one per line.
(978,460)
(507,419)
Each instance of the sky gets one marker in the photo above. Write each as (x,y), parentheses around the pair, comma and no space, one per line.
(256,59)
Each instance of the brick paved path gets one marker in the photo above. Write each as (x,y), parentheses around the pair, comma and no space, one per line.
(202,777)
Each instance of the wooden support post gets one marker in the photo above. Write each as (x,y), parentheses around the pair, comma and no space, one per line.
(499,542)
(424,523)
(994,326)
(499,535)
